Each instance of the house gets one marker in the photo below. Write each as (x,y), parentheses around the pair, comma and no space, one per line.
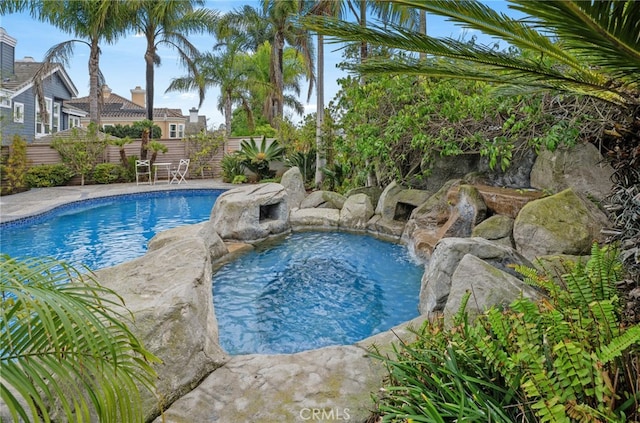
(118,110)
(19,108)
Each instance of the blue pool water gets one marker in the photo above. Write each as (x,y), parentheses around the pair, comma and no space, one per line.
(312,290)
(106,231)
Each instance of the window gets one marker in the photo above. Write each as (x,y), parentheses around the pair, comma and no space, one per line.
(18,112)
(74,122)
(55,118)
(5,99)
(176,130)
(43,128)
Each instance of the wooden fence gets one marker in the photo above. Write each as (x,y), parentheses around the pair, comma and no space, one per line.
(43,153)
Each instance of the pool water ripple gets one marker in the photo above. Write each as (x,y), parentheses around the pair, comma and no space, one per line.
(312,290)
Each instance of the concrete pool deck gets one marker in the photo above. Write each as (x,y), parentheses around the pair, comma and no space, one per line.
(40,200)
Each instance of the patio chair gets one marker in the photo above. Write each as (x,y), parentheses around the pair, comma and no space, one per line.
(143,169)
(177,175)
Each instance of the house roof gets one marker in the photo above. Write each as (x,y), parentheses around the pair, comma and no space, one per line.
(115,106)
(25,70)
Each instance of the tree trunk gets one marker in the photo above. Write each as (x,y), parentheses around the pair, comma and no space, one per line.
(144,145)
(94,88)
(321,156)
(149,74)
(277,80)
(123,157)
(423,29)
(227,114)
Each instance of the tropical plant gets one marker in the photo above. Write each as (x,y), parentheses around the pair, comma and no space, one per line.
(338,10)
(257,158)
(582,48)
(15,169)
(157,147)
(91,22)
(232,167)
(81,152)
(48,175)
(169,23)
(552,360)
(305,161)
(64,340)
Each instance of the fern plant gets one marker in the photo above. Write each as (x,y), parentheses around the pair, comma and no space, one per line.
(564,358)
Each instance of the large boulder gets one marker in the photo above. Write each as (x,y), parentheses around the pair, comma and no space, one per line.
(356,212)
(293,182)
(565,223)
(323,218)
(436,281)
(168,290)
(488,286)
(328,384)
(505,201)
(580,167)
(251,213)
(374,194)
(323,200)
(205,231)
(497,228)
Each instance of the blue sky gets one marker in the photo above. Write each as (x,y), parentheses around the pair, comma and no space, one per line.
(123,64)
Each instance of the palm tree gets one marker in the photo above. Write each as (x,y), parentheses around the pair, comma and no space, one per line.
(276,23)
(581,48)
(337,10)
(228,70)
(63,336)
(93,22)
(169,22)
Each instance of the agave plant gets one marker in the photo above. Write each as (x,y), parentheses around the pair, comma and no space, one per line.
(257,158)
(63,339)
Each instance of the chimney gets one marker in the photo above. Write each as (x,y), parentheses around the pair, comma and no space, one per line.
(106,91)
(138,96)
(193,115)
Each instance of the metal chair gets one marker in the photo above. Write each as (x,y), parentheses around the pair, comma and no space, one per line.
(143,168)
(179,173)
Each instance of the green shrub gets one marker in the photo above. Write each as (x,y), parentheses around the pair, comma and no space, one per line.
(239,179)
(564,358)
(232,167)
(109,173)
(15,169)
(48,175)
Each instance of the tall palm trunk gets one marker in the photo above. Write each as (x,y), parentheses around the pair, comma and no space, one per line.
(321,156)
(423,29)
(371,176)
(277,79)
(94,89)
(149,56)
(227,114)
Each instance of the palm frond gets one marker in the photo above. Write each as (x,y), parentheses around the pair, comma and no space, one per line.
(64,336)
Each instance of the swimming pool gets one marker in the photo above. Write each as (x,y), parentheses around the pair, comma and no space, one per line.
(105,231)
